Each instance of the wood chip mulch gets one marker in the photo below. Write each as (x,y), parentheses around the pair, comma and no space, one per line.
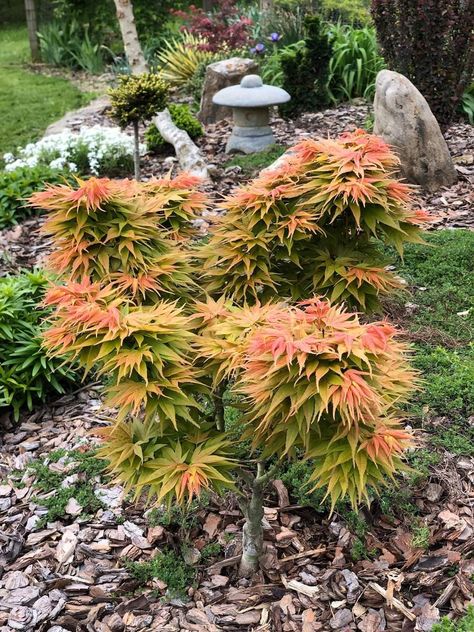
(69,574)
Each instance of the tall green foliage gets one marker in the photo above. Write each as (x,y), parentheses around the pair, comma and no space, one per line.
(27,375)
(354,64)
(306,70)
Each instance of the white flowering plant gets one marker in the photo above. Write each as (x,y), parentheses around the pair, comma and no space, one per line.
(93,150)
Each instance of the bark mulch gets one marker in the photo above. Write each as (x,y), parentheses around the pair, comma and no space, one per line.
(70,573)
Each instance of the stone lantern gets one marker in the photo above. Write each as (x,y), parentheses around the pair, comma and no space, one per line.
(250,102)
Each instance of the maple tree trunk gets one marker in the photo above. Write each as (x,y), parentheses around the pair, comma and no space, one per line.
(252,533)
(136,151)
(32,26)
(131,43)
(219,406)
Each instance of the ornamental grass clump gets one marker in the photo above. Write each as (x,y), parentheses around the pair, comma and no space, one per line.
(311,225)
(312,380)
(135,100)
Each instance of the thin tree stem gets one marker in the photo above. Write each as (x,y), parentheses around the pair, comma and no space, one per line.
(136,151)
(219,406)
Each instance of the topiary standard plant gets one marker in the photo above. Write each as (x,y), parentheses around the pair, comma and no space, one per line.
(430,42)
(136,99)
(311,225)
(310,376)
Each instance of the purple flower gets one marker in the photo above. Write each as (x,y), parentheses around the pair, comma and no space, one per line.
(275,37)
(259,48)
(253,51)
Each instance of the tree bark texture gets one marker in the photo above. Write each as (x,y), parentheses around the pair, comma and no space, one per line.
(131,43)
(32,26)
(252,533)
(188,154)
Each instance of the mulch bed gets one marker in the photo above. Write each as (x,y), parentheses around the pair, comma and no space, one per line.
(70,574)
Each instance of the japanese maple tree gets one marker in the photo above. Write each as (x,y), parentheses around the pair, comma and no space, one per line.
(311,224)
(314,381)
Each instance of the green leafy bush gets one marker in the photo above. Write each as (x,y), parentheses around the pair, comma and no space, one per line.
(354,63)
(179,59)
(465,624)
(467,104)
(27,374)
(182,118)
(353,12)
(296,477)
(16,186)
(306,70)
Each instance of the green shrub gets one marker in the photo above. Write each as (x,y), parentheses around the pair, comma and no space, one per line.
(27,374)
(286,19)
(168,567)
(182,118)
(306,70)
(16,186)
(352,12)
(465,624)
(354,63)
(467,103)
(296,478)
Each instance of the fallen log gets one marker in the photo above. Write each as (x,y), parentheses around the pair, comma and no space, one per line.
(189,157)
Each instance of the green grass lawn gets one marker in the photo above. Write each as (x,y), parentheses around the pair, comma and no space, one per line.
(29,101)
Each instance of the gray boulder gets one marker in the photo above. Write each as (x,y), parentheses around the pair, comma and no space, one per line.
(222,74)
(404,120)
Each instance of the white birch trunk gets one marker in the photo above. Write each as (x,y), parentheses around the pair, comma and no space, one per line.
(188,154)
(131,43)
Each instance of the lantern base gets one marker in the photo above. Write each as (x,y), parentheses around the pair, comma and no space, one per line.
(250,140)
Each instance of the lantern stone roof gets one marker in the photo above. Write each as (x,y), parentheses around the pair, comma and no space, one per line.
(251,93)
